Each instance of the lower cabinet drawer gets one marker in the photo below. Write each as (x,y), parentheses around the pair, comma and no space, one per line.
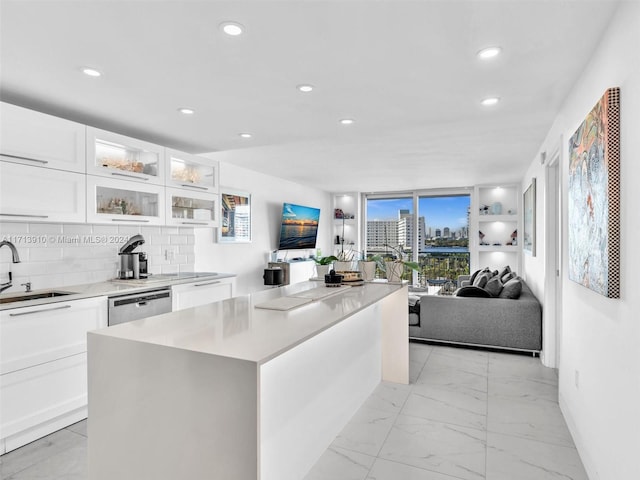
(37,395)
(43,333)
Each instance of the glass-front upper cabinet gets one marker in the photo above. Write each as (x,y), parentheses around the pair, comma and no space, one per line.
(189,208)
(117,156)
(184,170)
(124,202)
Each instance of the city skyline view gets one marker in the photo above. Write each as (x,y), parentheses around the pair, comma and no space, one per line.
(439,212)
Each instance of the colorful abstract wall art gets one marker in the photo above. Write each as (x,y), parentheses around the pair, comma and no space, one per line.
(594,198)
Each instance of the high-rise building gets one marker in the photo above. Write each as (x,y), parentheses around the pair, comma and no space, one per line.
(381,233)
(446,233)
(438,233)
(406,229)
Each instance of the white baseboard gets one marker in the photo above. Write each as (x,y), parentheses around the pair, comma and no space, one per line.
(583,451)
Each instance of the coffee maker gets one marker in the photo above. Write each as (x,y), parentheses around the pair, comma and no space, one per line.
(133,265)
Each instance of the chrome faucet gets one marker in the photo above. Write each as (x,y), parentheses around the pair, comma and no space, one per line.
(15,259)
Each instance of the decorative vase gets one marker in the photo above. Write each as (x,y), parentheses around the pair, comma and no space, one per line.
(342,266)
(394,271)
(368,269)
(322,270)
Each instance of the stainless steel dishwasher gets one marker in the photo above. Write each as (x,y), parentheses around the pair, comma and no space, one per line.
(134,306)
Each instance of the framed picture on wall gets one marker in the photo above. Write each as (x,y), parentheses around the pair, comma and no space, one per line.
(235,217)
(529,220)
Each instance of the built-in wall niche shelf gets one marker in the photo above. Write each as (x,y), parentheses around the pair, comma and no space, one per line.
(498,218)
(495,219)
(498,248)
(346,222)
(117,156)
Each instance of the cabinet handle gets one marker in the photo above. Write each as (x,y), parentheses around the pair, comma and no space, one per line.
(129,176)
(194,223)
(39,311)
(23,215)
(128,220)
(207,283)
(194,186)
(44,162)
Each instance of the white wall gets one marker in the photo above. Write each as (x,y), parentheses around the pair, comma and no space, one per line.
(600,337)
(268,193)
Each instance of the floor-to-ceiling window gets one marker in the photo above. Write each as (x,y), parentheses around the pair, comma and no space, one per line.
(428,228)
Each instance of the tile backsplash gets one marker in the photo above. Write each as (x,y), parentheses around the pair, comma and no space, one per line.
(58,255)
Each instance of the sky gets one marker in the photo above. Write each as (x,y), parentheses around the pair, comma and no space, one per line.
(439,212)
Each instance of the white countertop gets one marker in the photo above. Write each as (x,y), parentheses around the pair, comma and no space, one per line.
(111,288)
(234,328)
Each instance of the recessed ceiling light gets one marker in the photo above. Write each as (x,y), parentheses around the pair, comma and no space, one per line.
(487,102)
(489,52)
(232,28)
(305,88)
(92,72)
(186,111)
(245,135)
(347,121)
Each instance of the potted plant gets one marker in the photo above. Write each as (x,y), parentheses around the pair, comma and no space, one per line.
(368,267)
(395,269)
(344,261)
(323,265)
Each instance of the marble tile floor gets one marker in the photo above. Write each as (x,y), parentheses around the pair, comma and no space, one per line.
(466,415)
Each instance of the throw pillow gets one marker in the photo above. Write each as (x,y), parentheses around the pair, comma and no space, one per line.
(482,279)
(508,277)
(511,289)
(473,277)
(494,286)
(504,271)
(471,291)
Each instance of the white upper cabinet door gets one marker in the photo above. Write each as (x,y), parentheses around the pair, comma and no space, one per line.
(35,138)
(191,209)
(36,194)
(120,157)
(192,172)
(124,202)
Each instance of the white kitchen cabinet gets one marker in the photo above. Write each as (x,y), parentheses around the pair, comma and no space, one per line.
(184,170)
(193,209)
(202,292)
(35,138)
(43,366)
(118,156)
(124,202)
(36,194)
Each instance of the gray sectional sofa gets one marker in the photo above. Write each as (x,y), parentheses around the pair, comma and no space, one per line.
(495,322)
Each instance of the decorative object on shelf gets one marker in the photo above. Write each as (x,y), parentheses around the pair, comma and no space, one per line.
(333,279)
(594,198)
(482,242)
(514,238)
(496,208)
(235,218)
(338,214)
(484,209)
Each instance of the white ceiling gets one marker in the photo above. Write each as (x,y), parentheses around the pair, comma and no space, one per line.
(406,71)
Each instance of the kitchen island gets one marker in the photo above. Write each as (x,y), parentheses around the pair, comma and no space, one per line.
(231,391)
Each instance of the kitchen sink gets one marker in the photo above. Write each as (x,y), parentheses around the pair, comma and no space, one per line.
(23,297)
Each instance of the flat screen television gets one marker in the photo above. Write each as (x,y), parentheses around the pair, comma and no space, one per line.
(299,227)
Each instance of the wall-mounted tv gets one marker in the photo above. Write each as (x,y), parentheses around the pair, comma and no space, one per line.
(299,228)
